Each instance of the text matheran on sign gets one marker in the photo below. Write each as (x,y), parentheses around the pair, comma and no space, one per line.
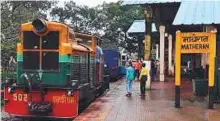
(194,46)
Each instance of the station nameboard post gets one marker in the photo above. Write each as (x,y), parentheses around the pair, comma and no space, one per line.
(195,42)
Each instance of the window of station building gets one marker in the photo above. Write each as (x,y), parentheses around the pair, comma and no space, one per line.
(31,60)
(50,61)
(50,40)
(30,40)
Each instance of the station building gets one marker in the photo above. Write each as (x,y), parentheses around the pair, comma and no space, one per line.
(165,18)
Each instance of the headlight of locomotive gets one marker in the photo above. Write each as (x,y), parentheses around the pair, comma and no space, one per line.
(70,93)
(74,83)
(40,25)
(10,90)
(9,81)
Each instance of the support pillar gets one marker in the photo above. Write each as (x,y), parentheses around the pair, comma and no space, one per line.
(177,69)
(211,63)
(148,44)
(170,65)
(162,42)
(157,51)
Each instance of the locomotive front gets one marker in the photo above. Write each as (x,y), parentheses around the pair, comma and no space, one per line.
(43,86)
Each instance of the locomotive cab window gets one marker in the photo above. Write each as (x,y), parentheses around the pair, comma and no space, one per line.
(37,53)
(50,40)
(71,36)
(30,40)
(31,60)
(50,61)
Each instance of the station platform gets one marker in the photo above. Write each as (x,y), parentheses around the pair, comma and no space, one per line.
(158,105)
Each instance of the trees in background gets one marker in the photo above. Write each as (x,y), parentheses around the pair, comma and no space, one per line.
(109,20)
(80,18)
(13,14)
(119,19)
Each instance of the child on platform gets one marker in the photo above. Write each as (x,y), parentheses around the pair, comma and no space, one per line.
(143,78)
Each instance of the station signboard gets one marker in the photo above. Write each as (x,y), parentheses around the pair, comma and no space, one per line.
(196,42)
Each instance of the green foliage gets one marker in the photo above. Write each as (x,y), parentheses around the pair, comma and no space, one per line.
(7,74)
(111,19)
(120,19)
(7,50)
(13,14)
(81,18)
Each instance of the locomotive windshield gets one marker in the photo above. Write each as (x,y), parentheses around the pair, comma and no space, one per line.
(86,42)
(41,52)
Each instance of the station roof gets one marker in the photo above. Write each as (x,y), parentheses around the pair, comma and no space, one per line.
(138,26)
(190,12)
(138,2)
(198,12)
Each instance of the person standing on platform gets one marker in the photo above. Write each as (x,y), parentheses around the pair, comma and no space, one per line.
(99,56)
(157,70)
(129,78)
(143,78)
(189,70)
(137,67)
(153,70)
(127,63)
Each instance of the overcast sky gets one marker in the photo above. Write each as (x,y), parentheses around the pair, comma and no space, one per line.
(90,3)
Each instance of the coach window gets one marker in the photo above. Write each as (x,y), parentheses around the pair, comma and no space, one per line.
(86,42)
(71,36)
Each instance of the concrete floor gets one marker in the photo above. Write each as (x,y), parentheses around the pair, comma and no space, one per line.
(158,105)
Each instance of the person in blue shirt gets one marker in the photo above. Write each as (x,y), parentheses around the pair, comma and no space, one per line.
(99,53)
(129,78)
(99,61)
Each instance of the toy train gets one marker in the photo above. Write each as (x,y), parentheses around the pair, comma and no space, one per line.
(115,62)
(59,72)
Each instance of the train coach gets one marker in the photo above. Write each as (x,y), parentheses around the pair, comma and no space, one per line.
(59,72)
(124,59)
(114,62)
